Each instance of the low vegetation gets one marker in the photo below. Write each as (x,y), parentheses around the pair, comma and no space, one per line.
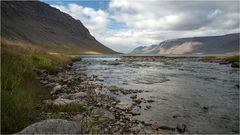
(233,60)
(20,91)
(75,58)
(229,59)
(70,108)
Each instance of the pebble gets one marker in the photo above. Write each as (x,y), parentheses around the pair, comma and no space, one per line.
(138,101)
(133,96)
(181,128)
(56,89)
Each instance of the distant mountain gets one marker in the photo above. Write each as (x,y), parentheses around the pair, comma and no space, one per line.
(38,23)
(195,45)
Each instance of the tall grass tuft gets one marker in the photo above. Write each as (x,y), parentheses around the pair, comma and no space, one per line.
(19,90)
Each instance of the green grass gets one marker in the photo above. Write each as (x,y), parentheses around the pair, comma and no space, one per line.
(75,58)
(229,59)
(70,108)
(20,92)
(18,107)
(232,59)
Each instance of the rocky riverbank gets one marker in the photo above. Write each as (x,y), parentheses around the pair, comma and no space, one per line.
(85,100)
(233,61)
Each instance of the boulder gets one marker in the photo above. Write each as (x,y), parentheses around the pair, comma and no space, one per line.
(235,65)
(124,106)
(53,126)
(62,101)
(56,89)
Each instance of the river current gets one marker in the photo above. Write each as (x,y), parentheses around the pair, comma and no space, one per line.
(204,96)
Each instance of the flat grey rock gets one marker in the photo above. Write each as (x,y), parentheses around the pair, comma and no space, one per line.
(53,126)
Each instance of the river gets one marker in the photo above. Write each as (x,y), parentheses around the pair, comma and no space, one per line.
(204,96)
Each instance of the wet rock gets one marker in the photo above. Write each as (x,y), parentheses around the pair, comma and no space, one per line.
(114,63)
(52,126)
(166,128)
(235,65)
(100,79)
(175,116)
(148,107)
(138,101)
(150,101)
(133,96)
(205,108)
(134,113)
(181,128)
(125,92)
(223,62)
(56,89)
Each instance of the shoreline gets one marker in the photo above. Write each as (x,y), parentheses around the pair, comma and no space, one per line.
(74,88)
(98,111)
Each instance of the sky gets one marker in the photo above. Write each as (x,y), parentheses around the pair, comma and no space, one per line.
(123,25)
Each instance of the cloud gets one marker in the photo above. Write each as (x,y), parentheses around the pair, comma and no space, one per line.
(173,15)
(150,22)
(95,20)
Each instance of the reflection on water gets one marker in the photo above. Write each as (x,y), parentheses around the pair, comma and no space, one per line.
(203,96)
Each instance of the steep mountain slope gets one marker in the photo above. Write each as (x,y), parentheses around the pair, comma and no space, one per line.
(195,45)
(40,24)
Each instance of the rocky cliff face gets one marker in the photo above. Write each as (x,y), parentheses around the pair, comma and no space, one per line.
(40,24)
(196,45)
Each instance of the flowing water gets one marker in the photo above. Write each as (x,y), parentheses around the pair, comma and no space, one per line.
(204,96)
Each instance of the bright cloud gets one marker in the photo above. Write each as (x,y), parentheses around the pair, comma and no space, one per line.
(150,22)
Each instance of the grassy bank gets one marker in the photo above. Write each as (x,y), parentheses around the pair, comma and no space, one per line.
(233,60)
(20,91)
(229,59)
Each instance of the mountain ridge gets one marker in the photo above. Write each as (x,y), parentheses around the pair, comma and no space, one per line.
(222,44)
(40,24)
